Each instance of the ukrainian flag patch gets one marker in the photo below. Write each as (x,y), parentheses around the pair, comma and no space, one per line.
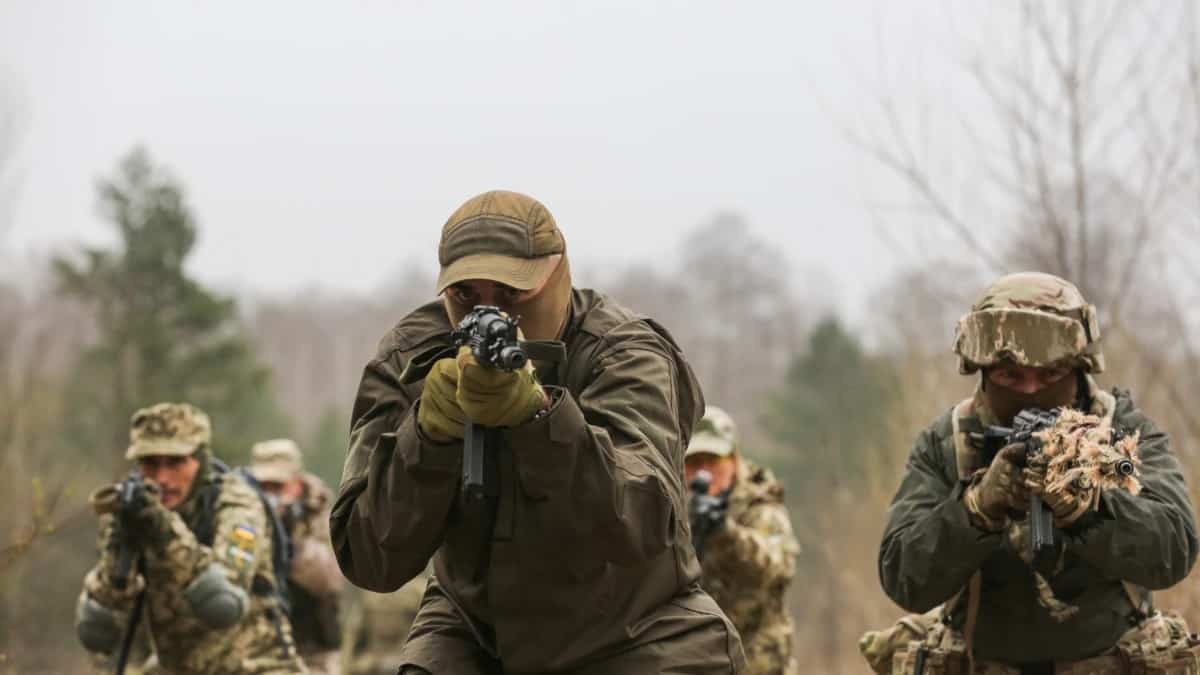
(243,535)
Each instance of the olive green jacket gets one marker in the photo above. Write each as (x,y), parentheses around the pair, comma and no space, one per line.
(930,550)
(585,553)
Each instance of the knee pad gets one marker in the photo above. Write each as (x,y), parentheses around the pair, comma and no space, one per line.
(99,628)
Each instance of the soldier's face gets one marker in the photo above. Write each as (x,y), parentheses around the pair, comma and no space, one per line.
(173,476)
(1025,379)
(721,469)
(467,294)
(286,492)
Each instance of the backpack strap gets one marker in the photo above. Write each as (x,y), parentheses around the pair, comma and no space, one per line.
(974,590)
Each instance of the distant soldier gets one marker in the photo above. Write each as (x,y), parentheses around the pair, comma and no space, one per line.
(959,530)
(315,583)
(377,626)
(744,539)
(186,546)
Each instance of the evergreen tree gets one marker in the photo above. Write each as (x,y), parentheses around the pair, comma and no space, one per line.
(160,335)
(326,449)
(832,407)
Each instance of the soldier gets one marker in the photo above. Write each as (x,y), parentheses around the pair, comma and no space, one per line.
(198,545)
(748,554)
(578,560)
(315,583)
(957,531)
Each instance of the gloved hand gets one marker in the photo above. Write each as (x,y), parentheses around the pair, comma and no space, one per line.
(998,490)
(496,398)
(439,415)
(1068,504)
(151,523)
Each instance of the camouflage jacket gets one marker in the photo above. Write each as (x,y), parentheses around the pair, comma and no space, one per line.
(315,582)
(930,550)
(748,566)
(183,645)
(584,553)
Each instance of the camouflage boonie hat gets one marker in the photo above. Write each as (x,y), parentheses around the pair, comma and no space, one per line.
(173,429)
(501,236)
(715,434)
(1033,319)
(276,461)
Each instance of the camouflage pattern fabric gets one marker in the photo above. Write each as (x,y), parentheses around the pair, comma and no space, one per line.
(1032,319)
(377,627)
(316,576)
(1159,645)
(172,429)
(748,565)
(260,643)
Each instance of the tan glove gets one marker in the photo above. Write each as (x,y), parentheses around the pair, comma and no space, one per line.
(1068,504)
(998,490)
(495,398)
(439,415)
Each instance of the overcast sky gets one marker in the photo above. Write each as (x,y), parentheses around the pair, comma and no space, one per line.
(325,143)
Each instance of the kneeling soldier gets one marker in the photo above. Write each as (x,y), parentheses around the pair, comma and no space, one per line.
(189,545)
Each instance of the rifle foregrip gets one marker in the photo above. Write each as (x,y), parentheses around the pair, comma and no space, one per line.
(105,500)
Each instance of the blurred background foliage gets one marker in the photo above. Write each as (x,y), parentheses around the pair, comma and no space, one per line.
(1088,166)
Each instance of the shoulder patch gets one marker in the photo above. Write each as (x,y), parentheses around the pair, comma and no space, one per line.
(243,533)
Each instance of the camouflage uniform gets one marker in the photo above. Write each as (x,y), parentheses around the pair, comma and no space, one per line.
(377,627)
(174,562)
(315,583)
(935,551)
(748,563)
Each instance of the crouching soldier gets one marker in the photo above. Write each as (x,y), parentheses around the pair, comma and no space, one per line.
(187,545)
(314,581)
(743,536)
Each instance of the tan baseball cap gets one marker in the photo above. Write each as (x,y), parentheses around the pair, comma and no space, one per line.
(501,236)
(716,434)
(171,429)
(276,461)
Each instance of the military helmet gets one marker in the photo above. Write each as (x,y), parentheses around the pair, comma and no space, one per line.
(174,429)
(715,434)
(1032,319)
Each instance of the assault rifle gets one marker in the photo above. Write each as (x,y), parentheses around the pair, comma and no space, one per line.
(124,500)
(1024,430)
(492,336)
(706,514)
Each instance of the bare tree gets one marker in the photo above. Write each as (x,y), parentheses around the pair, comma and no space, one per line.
(1073,164)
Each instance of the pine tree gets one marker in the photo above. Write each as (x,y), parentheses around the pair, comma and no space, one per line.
(160,334)
(832,407)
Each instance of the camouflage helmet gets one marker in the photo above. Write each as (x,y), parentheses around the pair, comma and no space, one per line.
(1033,319)
(715,434)
(174,429)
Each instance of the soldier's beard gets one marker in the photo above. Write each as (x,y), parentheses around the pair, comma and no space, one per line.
(1005,403)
